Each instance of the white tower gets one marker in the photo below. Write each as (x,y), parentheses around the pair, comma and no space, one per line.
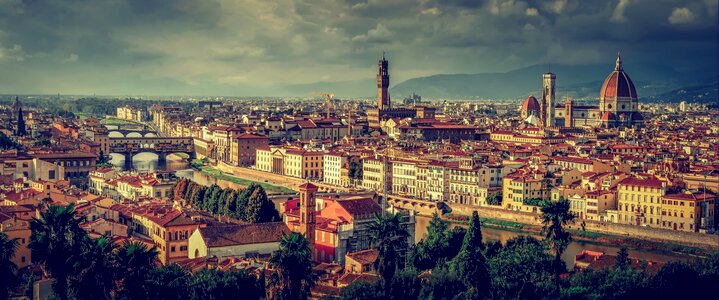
(548,98)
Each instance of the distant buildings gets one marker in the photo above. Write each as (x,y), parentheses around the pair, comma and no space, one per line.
(618,105)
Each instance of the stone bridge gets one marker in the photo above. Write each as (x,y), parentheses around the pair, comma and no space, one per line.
(423,207)
(140,129)
(129,146)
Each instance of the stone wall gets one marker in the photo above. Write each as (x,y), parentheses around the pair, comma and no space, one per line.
(694,239)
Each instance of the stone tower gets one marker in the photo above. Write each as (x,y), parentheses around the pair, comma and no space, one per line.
(548,97)
(383,101)
(17,107)
(307,213)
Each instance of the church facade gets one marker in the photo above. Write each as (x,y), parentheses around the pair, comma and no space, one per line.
(618,105)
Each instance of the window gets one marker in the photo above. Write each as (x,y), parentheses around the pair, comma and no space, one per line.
(172,249)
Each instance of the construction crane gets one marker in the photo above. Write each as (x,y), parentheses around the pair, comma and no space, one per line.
(328,104)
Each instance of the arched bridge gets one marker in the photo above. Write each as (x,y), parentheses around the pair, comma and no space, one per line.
(422,207)
(129,146)
(126,129)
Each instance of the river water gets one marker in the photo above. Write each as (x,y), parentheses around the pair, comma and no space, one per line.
(147,162)
(574,248)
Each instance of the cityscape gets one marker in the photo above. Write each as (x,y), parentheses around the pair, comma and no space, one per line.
(436,173)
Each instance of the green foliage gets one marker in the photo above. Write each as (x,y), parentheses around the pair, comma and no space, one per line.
(434,247)
(135,261)
(56,237)
(293,263)
(521,270)
(495,199)
(470,265)
(363,290)
(622,261)
(7,143)
(94,275)
(212,284)
(7,267)
(356,170)
(555,215)
(405,285)
(533,201)
(389,236)
(167,282)
(442,285)
(250,205)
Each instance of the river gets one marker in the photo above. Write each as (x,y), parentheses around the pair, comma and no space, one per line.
(574,248)
(147,162)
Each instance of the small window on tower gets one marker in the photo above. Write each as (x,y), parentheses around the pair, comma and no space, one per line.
(609,106)
(623,106)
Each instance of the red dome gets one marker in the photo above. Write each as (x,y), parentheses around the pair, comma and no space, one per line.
(618,84)
(530,104)
(608,116)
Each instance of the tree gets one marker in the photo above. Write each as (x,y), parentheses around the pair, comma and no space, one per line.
(7,267)
(167,282)
(495,199)
(555,215)
(259,208)
(364,290)
(293,262)
(622,260)
(405,285)
(213,284)
(389,236)
(521,270)
(7,143)
(470,265)
(434,246)
(103,160)
(135,261)
(442,285)
(56,238)
(95,272)
(356,170)
(676,280)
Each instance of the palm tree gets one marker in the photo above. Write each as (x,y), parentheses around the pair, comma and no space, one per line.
(95,276)
(554,216)
(294,277)
(135,261)
(7,267)
(56,238)
(389,236)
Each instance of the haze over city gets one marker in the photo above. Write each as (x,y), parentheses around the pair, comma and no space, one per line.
(264,48)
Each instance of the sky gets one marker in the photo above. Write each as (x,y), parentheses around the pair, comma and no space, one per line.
(254,47)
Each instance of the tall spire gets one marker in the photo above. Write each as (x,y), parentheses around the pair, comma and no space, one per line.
(618,66)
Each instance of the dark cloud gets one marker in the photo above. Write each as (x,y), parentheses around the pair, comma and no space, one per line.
(248,46)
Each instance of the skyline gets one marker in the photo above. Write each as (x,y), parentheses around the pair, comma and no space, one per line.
(253,48)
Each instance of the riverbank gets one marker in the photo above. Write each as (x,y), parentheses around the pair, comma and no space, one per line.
(588,237)
(217,174)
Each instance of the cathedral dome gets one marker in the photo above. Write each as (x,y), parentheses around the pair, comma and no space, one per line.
(618,84)
(530,104)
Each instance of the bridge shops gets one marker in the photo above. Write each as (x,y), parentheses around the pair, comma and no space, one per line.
(129,146)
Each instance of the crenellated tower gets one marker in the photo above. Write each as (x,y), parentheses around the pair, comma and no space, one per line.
(383,100)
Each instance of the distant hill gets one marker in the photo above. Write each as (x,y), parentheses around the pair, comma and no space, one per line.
(352,88)
(653,83)
(703,93)
(583,81)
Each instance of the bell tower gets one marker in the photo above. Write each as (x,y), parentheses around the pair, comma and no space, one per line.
(548,97)
(383,101)
(308,192)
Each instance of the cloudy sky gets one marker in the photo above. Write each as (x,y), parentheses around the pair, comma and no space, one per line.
(248,47)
